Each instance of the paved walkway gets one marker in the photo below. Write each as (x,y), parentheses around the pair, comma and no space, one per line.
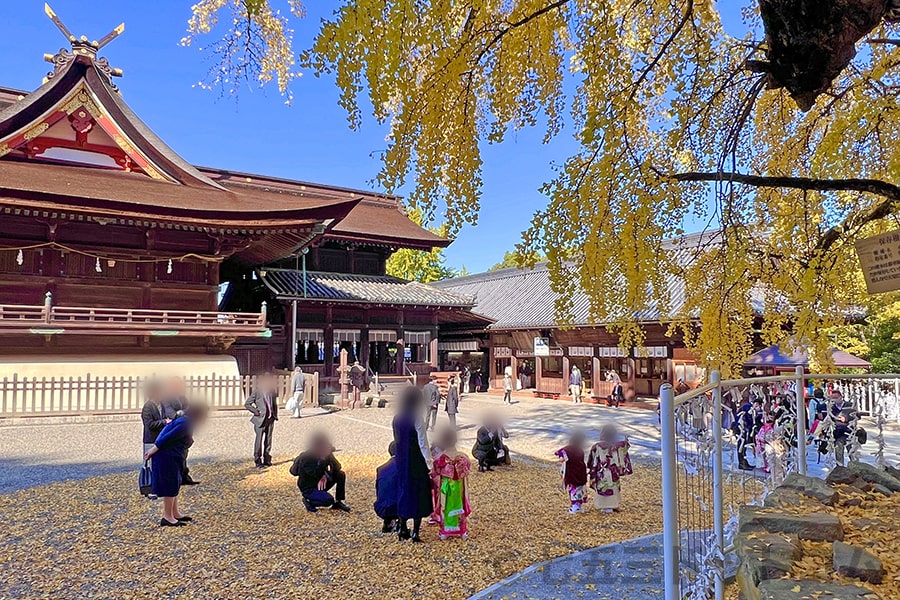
(631,570)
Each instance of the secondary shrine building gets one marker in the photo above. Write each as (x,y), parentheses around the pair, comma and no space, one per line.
(119,257)
(519,306)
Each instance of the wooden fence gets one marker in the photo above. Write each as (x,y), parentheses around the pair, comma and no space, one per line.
(37,396)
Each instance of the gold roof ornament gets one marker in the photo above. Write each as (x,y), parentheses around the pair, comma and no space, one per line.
(81,47)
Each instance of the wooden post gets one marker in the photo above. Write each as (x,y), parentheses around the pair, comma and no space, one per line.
(344,380)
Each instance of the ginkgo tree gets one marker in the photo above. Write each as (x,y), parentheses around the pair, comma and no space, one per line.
(773,121)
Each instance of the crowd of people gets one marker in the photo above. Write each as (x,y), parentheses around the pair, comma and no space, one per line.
(420,481)
(763,421)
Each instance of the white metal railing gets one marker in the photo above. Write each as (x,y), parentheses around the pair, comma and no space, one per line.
(40,396)
(705,480)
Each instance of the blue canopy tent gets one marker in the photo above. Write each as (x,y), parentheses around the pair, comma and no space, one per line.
(773,358)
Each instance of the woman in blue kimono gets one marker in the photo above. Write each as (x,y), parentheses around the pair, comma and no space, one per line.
(168,454)
(413,461)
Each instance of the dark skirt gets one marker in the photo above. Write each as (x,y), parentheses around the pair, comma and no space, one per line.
(413,477)
(166,466)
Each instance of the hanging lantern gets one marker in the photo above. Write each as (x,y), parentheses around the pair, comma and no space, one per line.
(169,267)
(97,266)
(20,258)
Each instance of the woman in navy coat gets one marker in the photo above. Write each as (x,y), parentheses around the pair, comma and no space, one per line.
(413,461)
(168,454)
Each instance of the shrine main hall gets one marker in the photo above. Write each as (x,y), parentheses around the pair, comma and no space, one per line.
(117,256)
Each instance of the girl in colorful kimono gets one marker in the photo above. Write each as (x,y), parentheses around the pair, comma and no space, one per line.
(453,468)
(435,517)
(607,463)
(574,471)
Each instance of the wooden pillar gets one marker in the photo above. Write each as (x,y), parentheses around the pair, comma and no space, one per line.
(565,373)
(514,365)
(401,353)
(433,350)
(364,347)
(329,342)
(596,377)
(290,345)
(538,373)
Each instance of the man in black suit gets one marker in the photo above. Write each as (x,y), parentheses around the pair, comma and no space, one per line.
(175,402)
(263,405)
(317,471)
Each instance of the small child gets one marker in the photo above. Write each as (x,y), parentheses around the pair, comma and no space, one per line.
(608,462)
(574,471)
(386,492)
(453,498)
(435,518)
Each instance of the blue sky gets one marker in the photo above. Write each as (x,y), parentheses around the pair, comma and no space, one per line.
(309,140)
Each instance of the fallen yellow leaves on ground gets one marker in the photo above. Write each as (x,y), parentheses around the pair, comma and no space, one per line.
(251,537)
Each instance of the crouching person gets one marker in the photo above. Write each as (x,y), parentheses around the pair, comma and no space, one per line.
(318,471)
(386,492)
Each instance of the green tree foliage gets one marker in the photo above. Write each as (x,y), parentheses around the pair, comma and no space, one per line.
(513,258)
(420,265)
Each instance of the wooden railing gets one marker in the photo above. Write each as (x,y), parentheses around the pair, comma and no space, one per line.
(38,396)
(128,319)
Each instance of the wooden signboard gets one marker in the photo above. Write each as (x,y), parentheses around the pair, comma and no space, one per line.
(879,257)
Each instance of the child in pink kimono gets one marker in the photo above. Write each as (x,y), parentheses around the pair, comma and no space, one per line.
(453,498)
(574,471)
(607,463)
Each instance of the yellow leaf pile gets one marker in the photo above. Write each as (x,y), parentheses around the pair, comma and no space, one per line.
(251,537)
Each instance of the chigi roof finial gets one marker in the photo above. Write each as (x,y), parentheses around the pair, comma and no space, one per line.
(81,47)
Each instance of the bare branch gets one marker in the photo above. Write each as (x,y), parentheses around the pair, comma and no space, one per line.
(888,191)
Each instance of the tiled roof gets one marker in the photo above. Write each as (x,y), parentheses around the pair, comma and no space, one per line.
(522,298)
(370,289)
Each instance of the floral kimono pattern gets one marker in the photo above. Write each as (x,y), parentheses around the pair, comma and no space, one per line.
(573,473)
(607,464)
(454,495)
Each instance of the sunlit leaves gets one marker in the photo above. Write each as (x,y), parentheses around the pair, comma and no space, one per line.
(653,88)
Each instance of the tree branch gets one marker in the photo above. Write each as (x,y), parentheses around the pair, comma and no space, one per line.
(888,191)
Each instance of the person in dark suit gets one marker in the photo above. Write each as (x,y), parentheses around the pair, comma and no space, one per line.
(167,455)
(263,405)
(153,413)
(175,402)
(413,464)
(386,492)
(317,471)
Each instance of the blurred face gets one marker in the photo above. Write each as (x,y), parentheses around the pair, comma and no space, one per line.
(175,387)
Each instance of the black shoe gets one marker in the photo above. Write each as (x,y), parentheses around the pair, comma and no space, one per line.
(185,519)
(309,506)
(416,539)
(489,468)
(189,481)
(267,462)
(340,506)
(164,523)
(403,534)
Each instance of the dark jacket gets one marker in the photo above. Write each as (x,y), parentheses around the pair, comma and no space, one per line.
(174,405)
(153,415)
(256,404)
(486,445)
(452,400)
(309,469)
(386,490)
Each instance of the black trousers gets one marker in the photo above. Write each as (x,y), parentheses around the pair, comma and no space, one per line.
(318,497)
(262,445)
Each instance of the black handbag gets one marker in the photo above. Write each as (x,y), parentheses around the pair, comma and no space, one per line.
(145,479)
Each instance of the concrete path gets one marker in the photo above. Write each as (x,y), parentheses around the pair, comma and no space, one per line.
(631,570)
